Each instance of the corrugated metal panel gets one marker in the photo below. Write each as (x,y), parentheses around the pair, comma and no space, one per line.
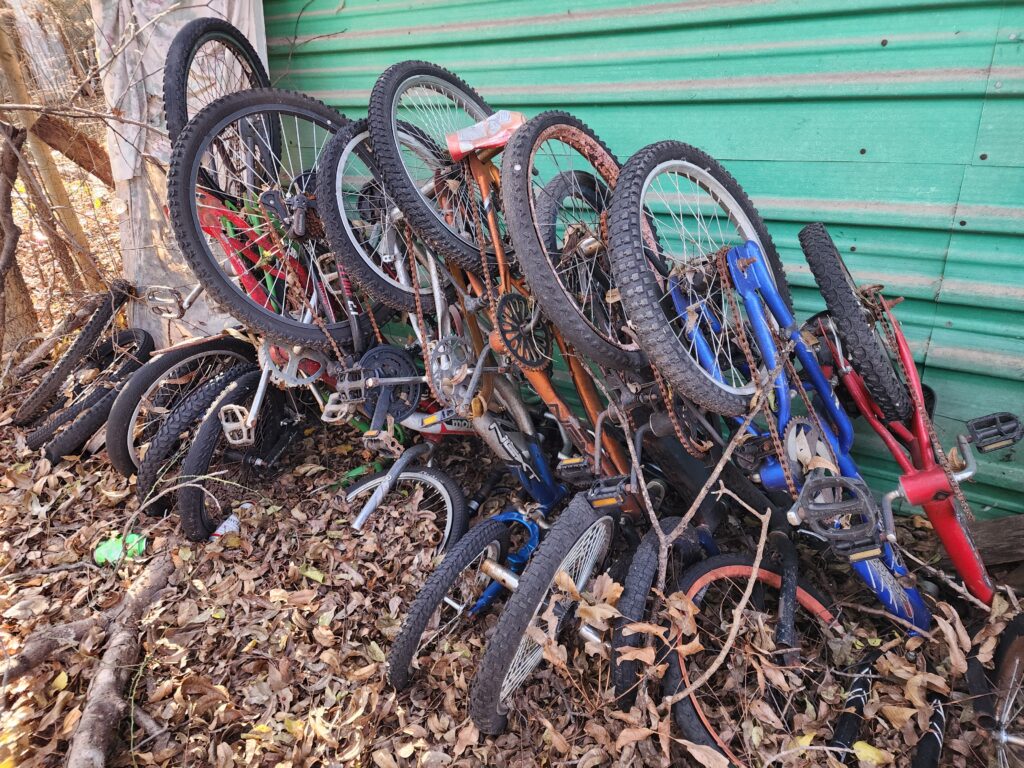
(900,125)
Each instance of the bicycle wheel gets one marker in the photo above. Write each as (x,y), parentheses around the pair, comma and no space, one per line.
(433,191)
(244,214)
(66,430)
(632,605)
(167,447)
(721,713)
(441,504)
(556,182)
(215,476)
(363,226)
(576,543)
(446,598)
(208,59)
(157,387)
(855,325)
(47,389)
(674,209)
(1008,730)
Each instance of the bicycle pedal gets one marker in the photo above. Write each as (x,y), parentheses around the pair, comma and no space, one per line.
(575,471)
(842,512)
(233,420)
(608,492)
(995,431)
(380,441)
(348,396)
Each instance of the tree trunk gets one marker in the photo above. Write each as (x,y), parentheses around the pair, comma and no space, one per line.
(19,321)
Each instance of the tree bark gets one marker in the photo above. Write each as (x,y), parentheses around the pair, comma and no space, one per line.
(83,150)
(18,319)
(105,702)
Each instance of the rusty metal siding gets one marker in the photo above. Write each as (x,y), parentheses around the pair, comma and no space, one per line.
(901,125)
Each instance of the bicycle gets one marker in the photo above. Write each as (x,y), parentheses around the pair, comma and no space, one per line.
(695,299)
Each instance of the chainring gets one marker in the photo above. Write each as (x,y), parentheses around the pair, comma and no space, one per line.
(450,367)
(529,346)
(806,448)
(384,362)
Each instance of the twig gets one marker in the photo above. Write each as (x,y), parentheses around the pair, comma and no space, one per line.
(737,612)
(885,614)
(51,569)
(947,580)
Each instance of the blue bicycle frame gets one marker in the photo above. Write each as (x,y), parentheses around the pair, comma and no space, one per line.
(756,285)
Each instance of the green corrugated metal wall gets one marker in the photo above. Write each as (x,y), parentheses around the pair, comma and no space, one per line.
(901,125)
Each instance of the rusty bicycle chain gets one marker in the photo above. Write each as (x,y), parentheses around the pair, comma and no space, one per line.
(741,338)
(421,322)
(875,302)
(290,275)
(689,445)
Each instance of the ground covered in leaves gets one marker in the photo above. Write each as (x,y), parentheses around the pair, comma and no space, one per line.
(268,648)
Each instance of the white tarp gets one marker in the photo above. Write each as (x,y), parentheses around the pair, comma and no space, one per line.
(132,39)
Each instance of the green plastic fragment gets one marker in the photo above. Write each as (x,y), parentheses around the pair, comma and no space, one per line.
(113,549)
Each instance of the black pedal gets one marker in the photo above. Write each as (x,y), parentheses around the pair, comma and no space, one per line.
(995,431)
(575,471)
(608,492)
(842,511)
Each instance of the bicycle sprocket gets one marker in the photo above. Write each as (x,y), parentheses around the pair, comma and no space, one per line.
(523,332)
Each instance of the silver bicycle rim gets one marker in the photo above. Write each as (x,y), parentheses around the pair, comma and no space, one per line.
(390,231)
(578,563)
(418,477)
(698,243)
(460,113)
(134,419)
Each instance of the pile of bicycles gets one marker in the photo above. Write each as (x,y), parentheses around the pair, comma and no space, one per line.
(621,338)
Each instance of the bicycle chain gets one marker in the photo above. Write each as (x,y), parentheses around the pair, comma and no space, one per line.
(741,337)
(872,296)
(689,445)
(421,322)
(290,275)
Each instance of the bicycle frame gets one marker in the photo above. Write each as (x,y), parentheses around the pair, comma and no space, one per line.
(754,282)
(923,482)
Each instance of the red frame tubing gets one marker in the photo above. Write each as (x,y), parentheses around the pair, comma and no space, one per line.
(923,481)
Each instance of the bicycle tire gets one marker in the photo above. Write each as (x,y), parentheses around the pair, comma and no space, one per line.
(350,255)
(407,197)
(48,387)
(88,401)
(181,186)
(158,459)
(1008,676)
(456,511)
(490,694)
(526,218)
(690,719)
(124,413)
(487,536)
(70,440)
(196,523)
(861,342)
(186,43)
(639,289)
(632,605)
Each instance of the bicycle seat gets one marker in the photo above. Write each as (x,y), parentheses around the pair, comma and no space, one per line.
(490,133)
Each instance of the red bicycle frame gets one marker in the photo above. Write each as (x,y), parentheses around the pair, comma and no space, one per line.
(924,481)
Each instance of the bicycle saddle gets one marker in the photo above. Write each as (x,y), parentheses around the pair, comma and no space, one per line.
(491,133)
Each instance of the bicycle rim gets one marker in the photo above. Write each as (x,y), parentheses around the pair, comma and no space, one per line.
(253,179)
(435,504)
(692,216)
(570,191)
(1008,733)
(170,389)
(579,563)
(724,704)
(429,108)
(216,69)
(371,220)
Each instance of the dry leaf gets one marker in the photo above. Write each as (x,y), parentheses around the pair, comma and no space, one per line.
(705,756)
